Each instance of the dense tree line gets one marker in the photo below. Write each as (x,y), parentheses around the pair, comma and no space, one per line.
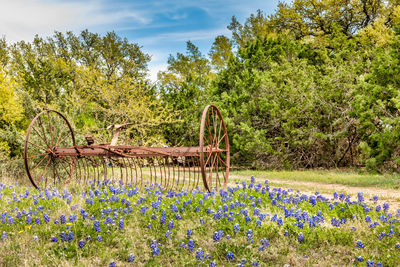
(316,84)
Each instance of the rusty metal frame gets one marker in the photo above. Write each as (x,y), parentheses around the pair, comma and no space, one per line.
(52,156)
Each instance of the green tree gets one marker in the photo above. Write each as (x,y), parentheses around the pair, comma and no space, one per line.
(220,52)
(376,106)
(286,105)
(184,88)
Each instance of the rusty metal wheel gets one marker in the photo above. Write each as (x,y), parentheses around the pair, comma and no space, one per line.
(214,149)
(47,131)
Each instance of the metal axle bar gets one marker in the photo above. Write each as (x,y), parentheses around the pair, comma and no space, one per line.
(129,151)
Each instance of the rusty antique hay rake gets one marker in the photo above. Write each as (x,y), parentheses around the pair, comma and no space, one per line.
(52,157)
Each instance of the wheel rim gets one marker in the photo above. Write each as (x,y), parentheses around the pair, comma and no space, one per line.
(214,149)
(47,131)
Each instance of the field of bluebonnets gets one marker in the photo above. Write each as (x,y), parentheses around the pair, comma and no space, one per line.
(249,224)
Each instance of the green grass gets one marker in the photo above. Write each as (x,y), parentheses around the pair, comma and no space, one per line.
(29,244)
(349,178)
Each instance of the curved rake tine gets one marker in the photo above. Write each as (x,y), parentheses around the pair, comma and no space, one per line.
(162,166)
(129,166)
(111,164)
(98,168)
(121,178)
(105,169)
(198,172)
(193,173)
(151,173)
(161,173)
(136,173)
(190,178)
(179,180)
(173,185)
(169,175)
(140,164)
(132,165)
(80,173)
(184,172)
(86,169)
(126,172)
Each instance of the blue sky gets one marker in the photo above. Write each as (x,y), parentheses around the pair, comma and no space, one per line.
(160,27)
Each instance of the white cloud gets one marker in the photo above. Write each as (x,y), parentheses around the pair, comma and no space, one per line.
(154,69)
(22,19)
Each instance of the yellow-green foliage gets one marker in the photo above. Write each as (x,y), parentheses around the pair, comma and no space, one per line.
(10,106)
(11,110)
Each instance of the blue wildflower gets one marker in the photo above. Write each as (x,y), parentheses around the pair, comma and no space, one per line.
(46,217)
(81,244)
(230,256)
(216,237)
(189,233)
(70,236)
(131,258)
(385,206)
(370,263)
(236,228)
(171,224)
(359,244)
(264,244)
(62,219)
(121,224)
(167,233)
(156,251)
(200,254)
(250,236)
(300,237)
(191,245)
(4,236)
(96,226)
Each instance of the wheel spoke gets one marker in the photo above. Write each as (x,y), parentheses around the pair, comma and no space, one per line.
(221,159)
(58,138)
(214,126)
(50,132)
(39,147)
(40,135)
(208,127)
(208,158)
(40,162)
(34,156)
(44,133)
(219,141)
(219,132)
(64,137)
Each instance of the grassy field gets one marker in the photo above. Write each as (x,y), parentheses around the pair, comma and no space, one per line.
(348,177)
(255,222)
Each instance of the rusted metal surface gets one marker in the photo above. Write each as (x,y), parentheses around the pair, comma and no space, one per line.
(51,156)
